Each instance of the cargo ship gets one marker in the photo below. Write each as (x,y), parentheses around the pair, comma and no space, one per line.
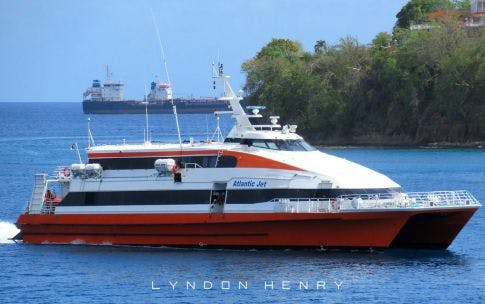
(261,186)
(108,98)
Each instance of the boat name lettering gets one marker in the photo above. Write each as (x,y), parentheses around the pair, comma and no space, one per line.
(249,183)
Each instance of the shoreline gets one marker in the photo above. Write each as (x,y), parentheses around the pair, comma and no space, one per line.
(434,145)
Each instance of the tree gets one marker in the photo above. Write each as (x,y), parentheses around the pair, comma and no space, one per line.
(416,11)
(320,47)
(420,85)
(278,48)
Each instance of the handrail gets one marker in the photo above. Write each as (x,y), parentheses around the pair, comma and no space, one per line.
(375,201)
(415,199)
(60,173)
(192,165)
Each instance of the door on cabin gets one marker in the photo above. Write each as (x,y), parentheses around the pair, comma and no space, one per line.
(218,198)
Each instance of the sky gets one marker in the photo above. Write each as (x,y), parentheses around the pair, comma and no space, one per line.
(52,50)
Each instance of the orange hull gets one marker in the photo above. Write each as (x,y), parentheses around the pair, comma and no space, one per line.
(349,230)
(432,229)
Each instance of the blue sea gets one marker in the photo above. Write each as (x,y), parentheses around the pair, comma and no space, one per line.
(36,137)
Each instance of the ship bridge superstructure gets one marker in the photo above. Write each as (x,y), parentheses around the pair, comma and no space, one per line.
(108,91)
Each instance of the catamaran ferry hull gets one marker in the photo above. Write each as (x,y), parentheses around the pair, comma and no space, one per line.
(327,230)
(434,229)
(262,186)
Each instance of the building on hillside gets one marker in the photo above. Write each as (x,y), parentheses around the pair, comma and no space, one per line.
(477,13)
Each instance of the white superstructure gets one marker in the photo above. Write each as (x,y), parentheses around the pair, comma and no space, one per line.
(108,91)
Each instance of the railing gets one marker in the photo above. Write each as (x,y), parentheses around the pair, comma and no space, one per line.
(191,165)
(411,199)
(304,205)
(60,173)
(38,192)
(414,200)
(49,207)
(43,199)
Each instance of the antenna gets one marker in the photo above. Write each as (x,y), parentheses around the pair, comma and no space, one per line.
(90,135)
(214,75)
(108,74)
(217,132)
(146,136)
(76,147)
(164,62)
(242,120)
(217,73)
(207,127)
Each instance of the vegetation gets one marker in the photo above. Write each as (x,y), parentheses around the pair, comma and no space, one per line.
(409,87)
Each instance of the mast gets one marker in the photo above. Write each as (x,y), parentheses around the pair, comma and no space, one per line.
(242,120)
(146,135)
(164,63)
(90,134)
(108,75)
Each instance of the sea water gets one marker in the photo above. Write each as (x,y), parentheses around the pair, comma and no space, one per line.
(36,137)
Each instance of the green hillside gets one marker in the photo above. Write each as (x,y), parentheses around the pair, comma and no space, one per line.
(408,87)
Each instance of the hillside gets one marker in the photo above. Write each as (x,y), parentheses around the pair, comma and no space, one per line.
(408,87)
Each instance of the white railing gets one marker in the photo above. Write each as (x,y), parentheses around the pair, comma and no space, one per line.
(411,199)
(49,207)
(38,193)
(60,173)
(305,205)
(377,201)
(191,166)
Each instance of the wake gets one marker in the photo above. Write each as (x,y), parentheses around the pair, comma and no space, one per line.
(7,231)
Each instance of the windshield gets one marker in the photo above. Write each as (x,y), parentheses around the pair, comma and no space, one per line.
(279,144)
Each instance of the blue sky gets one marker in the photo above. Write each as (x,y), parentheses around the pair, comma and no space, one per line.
(51,50)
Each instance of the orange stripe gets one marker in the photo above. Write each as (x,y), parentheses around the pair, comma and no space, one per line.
(244,160)
(122,154)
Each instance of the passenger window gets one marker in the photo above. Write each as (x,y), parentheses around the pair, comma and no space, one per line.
(260,144)
(294,145)
(272,145)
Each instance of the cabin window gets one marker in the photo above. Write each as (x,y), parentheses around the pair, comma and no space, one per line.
(275,144)
(260,144)
(130,163)
(272,145)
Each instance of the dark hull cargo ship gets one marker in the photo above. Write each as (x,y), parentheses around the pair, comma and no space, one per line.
(108,98)
(184,106)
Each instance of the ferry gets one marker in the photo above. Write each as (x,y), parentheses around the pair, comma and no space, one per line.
(261,186)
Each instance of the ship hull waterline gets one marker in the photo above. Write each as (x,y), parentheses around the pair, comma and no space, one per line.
(126,107)
(327,230)
(398,229)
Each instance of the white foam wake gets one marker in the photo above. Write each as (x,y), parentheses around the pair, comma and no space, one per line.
(7,231)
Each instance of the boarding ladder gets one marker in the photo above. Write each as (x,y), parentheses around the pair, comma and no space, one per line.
(37,200)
